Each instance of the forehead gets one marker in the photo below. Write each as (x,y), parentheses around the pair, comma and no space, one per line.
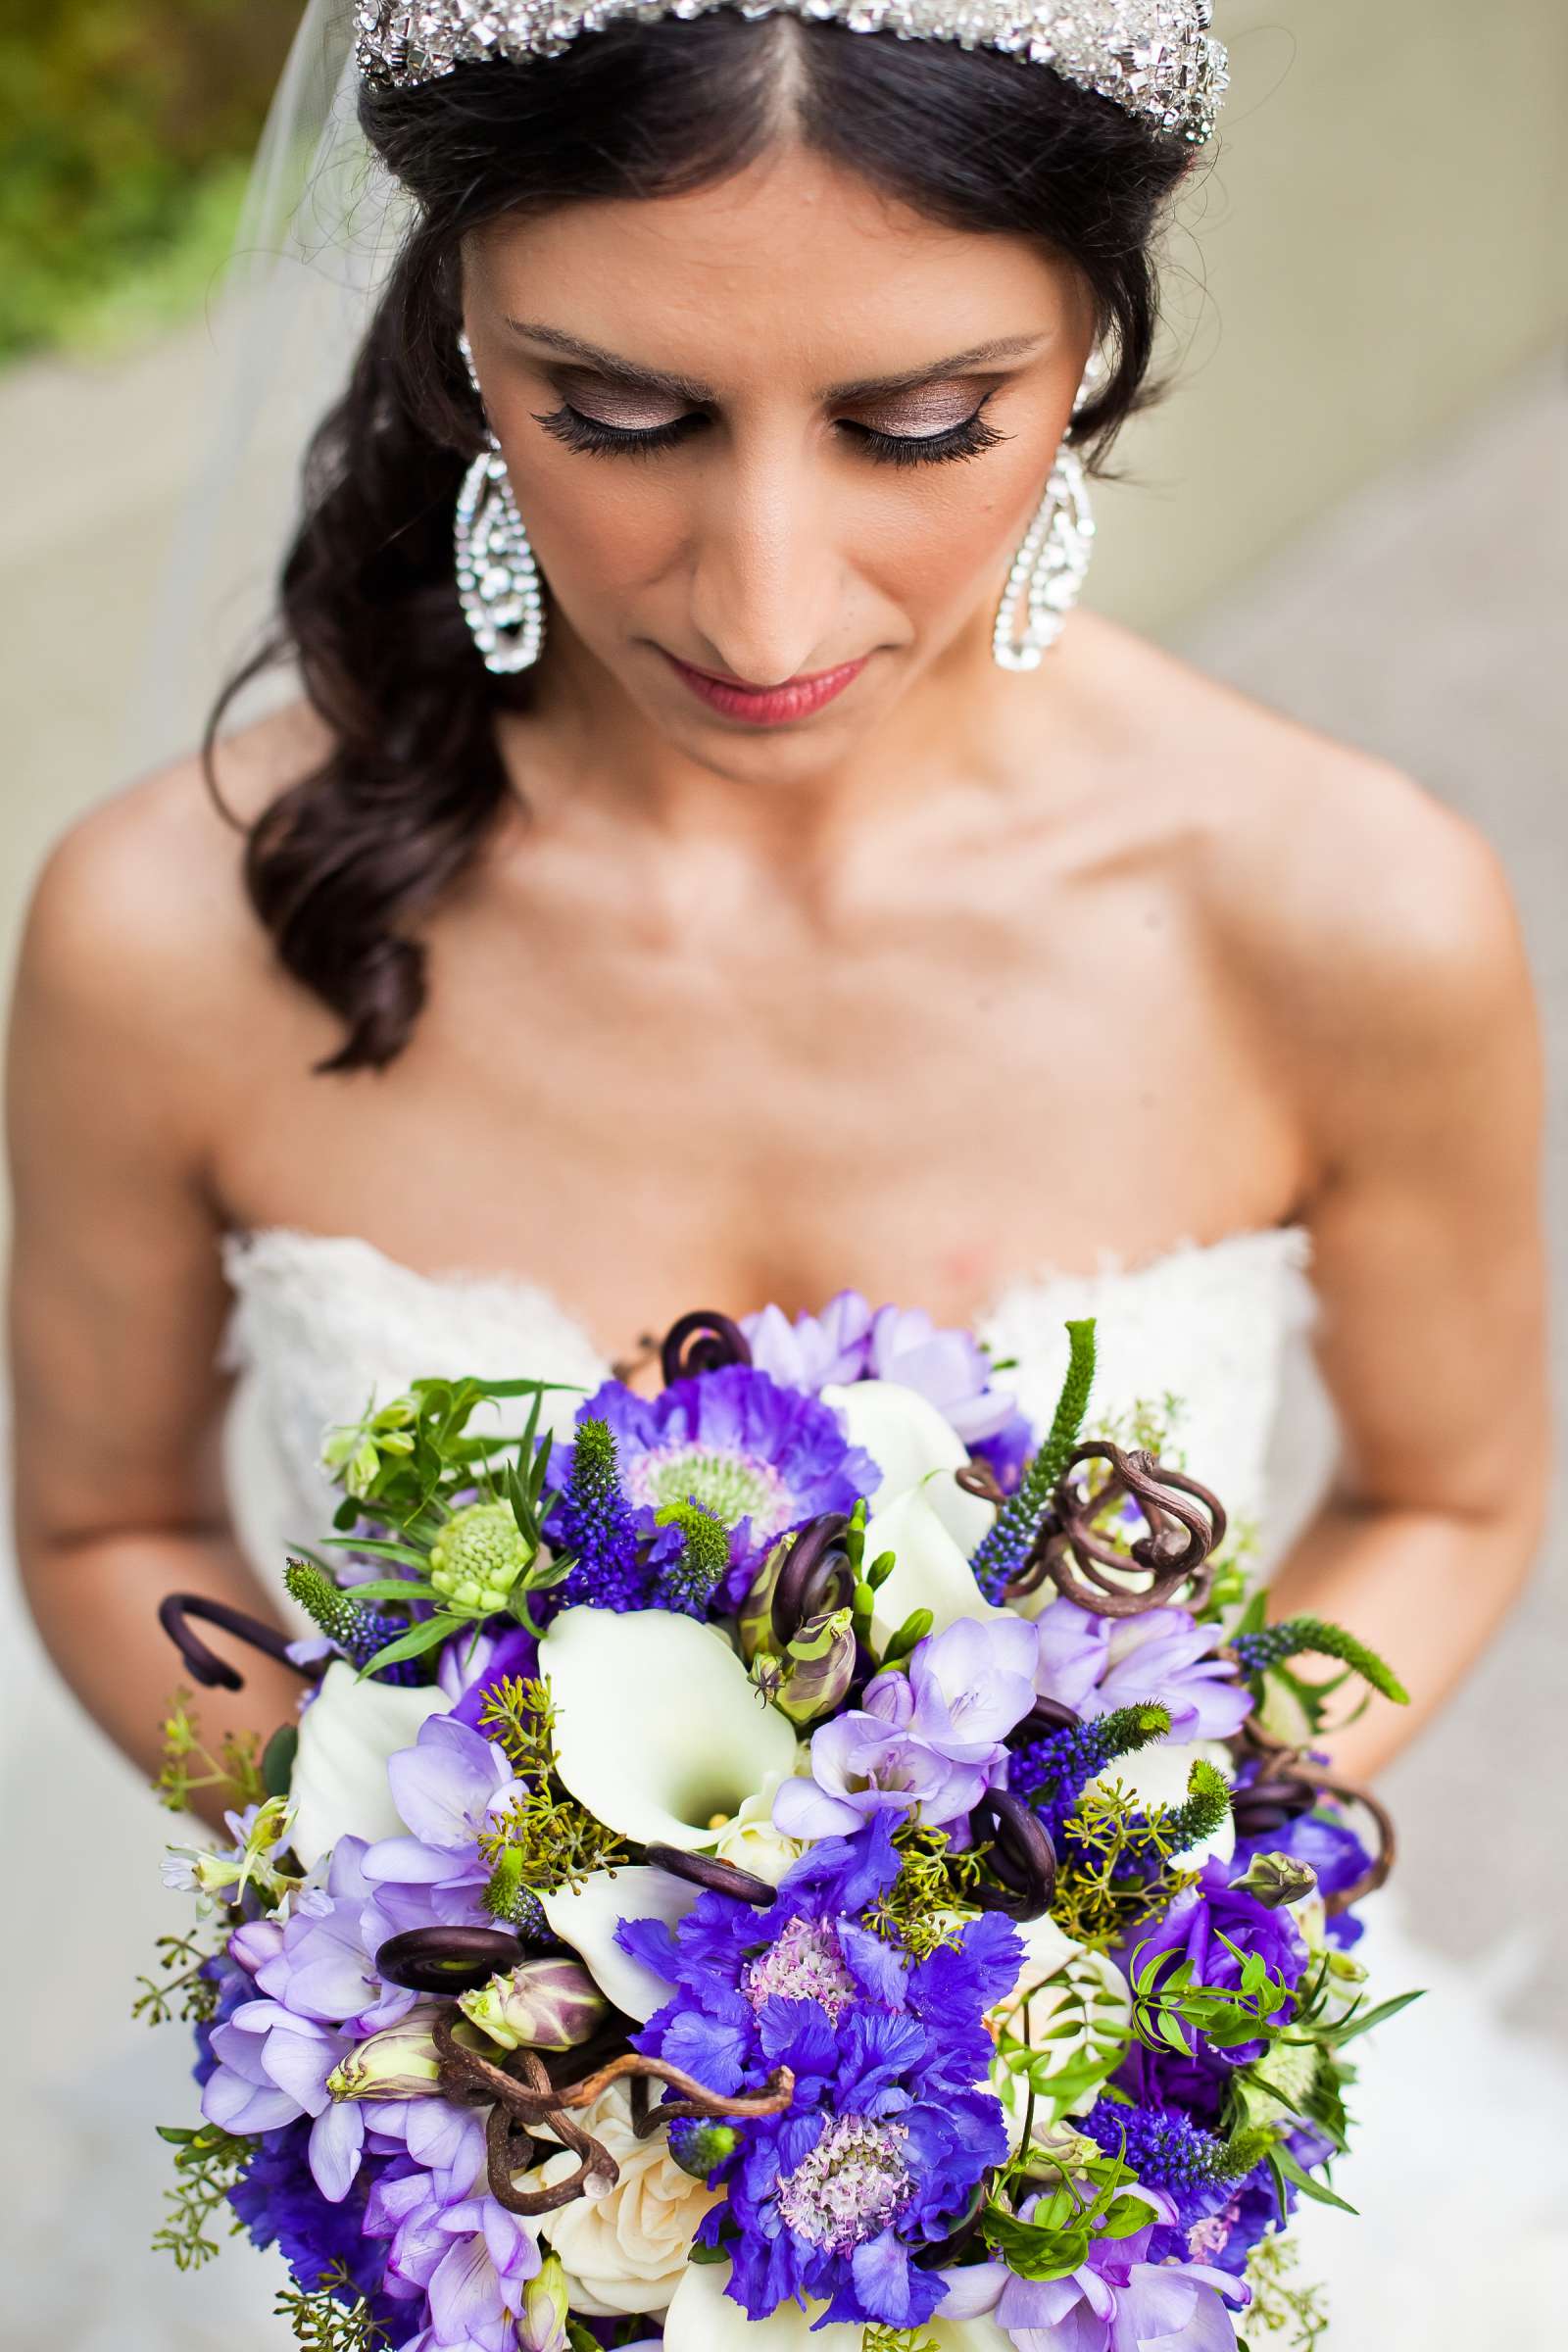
(795,263)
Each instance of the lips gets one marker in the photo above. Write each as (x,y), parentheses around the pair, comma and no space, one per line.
(769,707)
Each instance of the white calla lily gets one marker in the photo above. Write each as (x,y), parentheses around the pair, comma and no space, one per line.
(587,1915)
(1158,1775)
(919,1511)
(660,1731)
(932,1573)
(702,2318)
(339,1786)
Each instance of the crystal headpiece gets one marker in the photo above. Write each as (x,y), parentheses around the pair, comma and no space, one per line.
(1154,59)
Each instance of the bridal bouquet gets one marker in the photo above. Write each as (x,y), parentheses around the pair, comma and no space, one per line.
(808,1860)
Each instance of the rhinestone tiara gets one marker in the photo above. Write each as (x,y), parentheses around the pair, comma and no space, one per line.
(1154,59)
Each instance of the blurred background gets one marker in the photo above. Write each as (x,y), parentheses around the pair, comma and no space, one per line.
(1355,505)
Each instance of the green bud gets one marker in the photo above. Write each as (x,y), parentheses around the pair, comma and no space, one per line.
(698,2151)
(817,1668)
(542,2326)
(1344,1968)
(479,1556)
(755,1623)
(538,2005)
(399,2063)
(1275,1879)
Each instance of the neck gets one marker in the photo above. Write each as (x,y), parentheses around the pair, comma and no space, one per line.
(587,750)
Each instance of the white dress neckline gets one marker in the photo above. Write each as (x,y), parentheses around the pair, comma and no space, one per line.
(247,1249)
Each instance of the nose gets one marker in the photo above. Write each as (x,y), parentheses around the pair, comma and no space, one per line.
(764,569)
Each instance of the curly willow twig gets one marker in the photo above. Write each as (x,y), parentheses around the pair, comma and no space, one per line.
(1187,1522)
(704,1340)
(523,2106)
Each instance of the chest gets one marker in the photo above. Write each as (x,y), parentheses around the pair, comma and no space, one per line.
(916,1091)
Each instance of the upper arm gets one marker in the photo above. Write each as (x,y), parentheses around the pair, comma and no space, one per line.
(1419,1048)
(115,1297)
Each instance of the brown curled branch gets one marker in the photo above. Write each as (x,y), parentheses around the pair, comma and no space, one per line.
(174,1612)
(1187,1523)
(704,1340)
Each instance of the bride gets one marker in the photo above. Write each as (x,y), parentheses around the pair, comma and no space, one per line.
(710,861)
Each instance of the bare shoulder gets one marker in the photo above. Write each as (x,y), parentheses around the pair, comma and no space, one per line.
(137,923)
(1350,896)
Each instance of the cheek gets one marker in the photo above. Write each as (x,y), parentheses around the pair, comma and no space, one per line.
(930,545)
(599,526)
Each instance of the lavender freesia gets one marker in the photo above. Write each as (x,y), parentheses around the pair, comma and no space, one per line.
(1097,1664)
(925,1744)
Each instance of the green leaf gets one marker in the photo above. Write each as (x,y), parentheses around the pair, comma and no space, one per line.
(277,1759)
(1284,2164)
(377,1549)
(414,1642)
(910,1635)
(391,1588)
(1364,2021)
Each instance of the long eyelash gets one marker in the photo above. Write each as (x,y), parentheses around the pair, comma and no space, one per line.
(586,433)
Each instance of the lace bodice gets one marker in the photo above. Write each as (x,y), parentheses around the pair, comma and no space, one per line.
(320,1323)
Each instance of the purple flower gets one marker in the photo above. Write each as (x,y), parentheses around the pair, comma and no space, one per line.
(886,2137)
(1095,1664)
(317,1963)
(466,2258)
(448,1787)
(474,1664)
(761,1457)
(814,1352)
(1204,1925)
(928,1742)
(272,2069)
(1332,1849)
(1118,2301)
(846,1343)
(279,2203)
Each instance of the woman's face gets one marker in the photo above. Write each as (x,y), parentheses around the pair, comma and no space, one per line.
(768,430)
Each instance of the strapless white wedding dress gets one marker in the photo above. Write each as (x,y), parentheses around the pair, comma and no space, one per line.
(1460,2119)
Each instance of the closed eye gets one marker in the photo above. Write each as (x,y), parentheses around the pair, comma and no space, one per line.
(965,439)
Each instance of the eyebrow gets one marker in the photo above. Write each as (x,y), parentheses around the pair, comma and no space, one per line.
(685,387)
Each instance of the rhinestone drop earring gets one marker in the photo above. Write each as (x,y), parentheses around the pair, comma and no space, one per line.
(1052,559)
(498,581)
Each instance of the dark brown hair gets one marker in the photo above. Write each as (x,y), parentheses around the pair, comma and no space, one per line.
(344,863)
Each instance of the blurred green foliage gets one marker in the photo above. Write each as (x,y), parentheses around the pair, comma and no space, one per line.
(125,127)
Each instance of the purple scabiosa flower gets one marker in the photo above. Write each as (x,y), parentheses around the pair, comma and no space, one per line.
(280,2204)
(886,2136)
(1095,1664)
(1120,2301)
(927,1744)
(759,1457)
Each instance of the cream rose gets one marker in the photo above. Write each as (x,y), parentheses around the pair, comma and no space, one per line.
(624,2252)
(749,1841)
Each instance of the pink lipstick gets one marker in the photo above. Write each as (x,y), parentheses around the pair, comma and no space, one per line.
(772,705)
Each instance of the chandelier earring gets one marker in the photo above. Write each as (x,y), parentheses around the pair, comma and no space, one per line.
(1052,559)
(498,581)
